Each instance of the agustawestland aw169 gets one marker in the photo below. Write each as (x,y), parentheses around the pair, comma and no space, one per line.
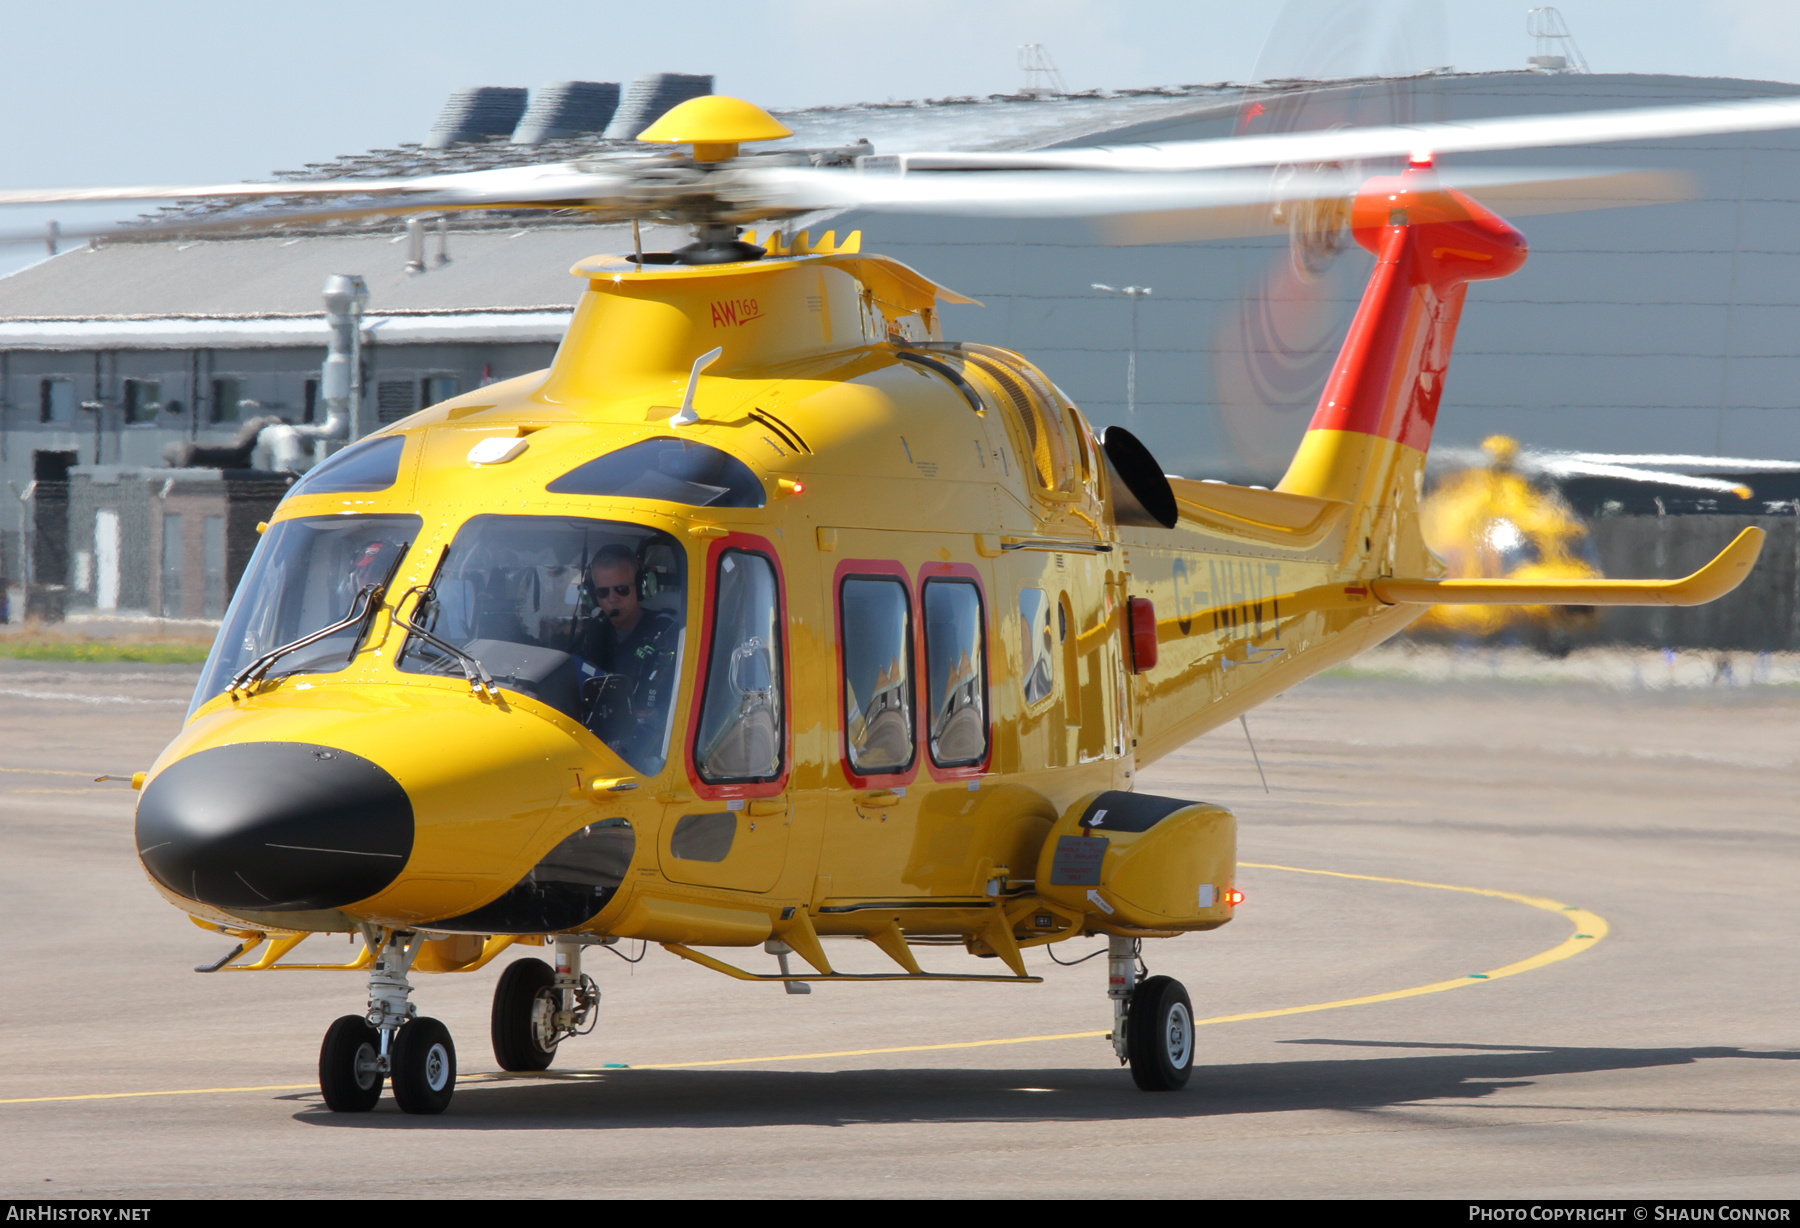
(766,616)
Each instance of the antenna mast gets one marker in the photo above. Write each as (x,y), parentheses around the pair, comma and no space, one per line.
(1042,80)
(1556,49)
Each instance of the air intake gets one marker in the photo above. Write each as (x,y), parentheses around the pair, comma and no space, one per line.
(649,96)
(567,108)
(480,111)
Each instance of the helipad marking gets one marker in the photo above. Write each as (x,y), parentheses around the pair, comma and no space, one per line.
(1589,928)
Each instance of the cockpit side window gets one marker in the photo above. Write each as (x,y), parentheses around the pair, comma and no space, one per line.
(306,575)
(586,616)
(741,735)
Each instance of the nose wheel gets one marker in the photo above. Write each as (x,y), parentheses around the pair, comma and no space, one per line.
(390,1044)
(350,1066)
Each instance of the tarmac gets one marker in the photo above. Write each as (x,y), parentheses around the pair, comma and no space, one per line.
(1611,1012)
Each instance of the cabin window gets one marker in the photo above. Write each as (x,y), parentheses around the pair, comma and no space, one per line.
(305,575)
(672,470)
(585,616)
(955,664)
(878,675)
(1037,644)
(741,736)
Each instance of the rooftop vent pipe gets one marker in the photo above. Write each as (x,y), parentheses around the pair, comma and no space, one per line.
(567,108)
(481,110)
(649,96)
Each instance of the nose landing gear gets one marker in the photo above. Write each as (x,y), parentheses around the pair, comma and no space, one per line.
(392,1042)
(1153,1021)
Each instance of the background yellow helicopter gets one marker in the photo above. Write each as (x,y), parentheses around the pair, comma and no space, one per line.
(1499,512)
(767,615)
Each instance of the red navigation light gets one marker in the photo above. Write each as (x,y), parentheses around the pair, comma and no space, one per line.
(1234,897)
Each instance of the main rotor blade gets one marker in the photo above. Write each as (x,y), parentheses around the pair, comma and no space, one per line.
(555,179)
(1400,140)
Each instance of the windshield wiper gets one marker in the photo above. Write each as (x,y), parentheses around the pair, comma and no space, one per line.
(473,670)
(362,608)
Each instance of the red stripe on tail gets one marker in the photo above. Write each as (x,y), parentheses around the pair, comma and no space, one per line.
(1429,241)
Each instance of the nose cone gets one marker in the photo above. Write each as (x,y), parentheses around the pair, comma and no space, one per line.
(275,827)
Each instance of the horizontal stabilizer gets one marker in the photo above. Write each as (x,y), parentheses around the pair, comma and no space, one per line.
(1708,584)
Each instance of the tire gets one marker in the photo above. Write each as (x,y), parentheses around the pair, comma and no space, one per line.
(1159,1032)
(517,1032)
(424,1067)
(347,1073)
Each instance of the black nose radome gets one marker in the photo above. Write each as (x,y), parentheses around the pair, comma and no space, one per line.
(275,827)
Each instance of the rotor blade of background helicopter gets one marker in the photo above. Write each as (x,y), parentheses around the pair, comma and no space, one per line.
(1586,469)
(1351,144)
(1717,464)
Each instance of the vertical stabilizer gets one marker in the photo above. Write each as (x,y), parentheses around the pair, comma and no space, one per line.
(1374,420)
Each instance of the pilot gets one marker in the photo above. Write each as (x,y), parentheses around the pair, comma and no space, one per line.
(631,653)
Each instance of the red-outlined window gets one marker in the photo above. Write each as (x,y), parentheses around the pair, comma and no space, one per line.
(957,730)
(737,728)
(876,695)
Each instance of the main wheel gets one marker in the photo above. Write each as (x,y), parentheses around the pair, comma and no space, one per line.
(522,1023)
(348,1074)
(423,1067)
(1159,1035)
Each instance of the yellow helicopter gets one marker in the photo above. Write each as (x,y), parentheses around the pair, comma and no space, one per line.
(1499,513)
(767,616)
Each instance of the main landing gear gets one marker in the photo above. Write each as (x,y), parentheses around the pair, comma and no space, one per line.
(537,1007)
(1153,1021)
(391,1043)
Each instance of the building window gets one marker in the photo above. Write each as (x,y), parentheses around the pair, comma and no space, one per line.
(143,400)
(955,673)
(440,388)
(56,400)
(394,399)
(215,567)
(741,736)
(226,396)
(878,684)
(309,411)
(172,566)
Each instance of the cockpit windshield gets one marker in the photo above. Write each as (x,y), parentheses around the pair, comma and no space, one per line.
(587,616)
(306,575)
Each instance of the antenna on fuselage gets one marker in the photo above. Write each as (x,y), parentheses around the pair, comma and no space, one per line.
(686,416)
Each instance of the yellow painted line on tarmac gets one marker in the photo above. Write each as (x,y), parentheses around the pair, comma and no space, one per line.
(1589,929)
(187,1091)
